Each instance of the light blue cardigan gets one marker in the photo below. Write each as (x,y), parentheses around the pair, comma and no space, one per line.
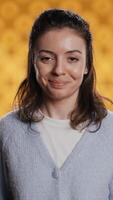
(28,172)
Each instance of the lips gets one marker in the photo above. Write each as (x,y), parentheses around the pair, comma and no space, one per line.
(56,84)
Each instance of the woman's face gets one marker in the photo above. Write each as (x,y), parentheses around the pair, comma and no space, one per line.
(60,63)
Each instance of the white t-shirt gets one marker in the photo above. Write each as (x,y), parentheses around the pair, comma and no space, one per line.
(59,138)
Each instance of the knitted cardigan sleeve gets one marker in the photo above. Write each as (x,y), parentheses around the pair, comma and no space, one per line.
(111,190)
(3,185)
(3,190)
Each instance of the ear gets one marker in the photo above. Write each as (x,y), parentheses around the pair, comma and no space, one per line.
(86,70)
(34,62)
(35,66)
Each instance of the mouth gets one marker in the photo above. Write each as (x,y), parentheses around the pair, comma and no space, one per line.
(56,84)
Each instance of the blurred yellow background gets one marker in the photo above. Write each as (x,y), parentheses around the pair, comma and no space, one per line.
(16,18)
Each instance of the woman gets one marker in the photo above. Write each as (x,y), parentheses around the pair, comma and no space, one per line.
(58,144)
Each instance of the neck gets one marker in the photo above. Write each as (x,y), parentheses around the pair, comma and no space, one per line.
(58,109)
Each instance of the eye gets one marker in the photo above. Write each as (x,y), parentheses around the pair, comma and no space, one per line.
(73,59)
(46,59)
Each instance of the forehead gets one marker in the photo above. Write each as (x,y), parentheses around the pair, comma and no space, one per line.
(64,38)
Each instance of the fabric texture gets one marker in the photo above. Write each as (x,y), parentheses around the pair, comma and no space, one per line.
(59,137)
(27,171)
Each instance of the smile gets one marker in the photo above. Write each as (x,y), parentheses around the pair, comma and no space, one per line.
(56,84)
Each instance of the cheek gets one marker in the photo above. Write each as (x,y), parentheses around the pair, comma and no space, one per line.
(40,72)
(41,76)
(77,73)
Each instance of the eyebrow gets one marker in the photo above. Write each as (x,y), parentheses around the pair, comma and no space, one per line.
(71,51)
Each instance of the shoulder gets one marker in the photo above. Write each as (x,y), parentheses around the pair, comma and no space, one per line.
(106,129)
(10,120)
(8,116)
(108,120)
(9,125)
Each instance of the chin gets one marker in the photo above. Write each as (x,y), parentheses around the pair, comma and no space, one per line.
(59,96)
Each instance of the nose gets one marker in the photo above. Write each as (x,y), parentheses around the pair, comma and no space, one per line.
(59,68)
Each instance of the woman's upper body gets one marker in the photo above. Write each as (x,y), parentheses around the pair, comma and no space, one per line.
(29,172)
(60,82)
